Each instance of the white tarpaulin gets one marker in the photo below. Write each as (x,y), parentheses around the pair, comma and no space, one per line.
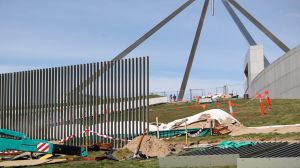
(217,114)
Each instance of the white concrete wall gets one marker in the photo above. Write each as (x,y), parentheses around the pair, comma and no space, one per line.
(281,78)
(158,100)
(254,62)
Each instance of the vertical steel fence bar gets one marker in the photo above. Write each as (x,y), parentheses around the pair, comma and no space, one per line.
(60,106)
(23,114)
(144,93)
(56,107)
(27,102)
(34,104)
(1,100)
(67,92)
(114,102)
(93,102)
(111,101)
(47,103)
(64,92)
(78,115)
(84,102)
(73,115)
(125,90)
(30,109)
(102,100)
(133,110)
(108,101)
(119,101)
(136,97)
(50,114)
(14,102)
(129,100)
(122,110)
(97,99)
(5,100)
(140,95)
(89,101)
(81,105)
(10,102)
(147,98)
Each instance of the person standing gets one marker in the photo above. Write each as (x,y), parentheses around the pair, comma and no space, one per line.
(171,98)
(174,98)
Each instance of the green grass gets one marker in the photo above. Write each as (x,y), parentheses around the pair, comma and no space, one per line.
(246,111)
(150,163)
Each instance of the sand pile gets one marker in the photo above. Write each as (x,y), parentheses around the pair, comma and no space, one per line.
(151,146)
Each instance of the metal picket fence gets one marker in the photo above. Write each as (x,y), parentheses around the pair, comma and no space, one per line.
(108,98)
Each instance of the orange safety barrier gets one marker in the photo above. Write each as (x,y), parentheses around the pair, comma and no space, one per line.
(203,106)
(230,108)
(218,104)
(262,109)
(268,100)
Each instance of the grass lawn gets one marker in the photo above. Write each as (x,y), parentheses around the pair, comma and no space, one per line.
(151,163)
(246,111)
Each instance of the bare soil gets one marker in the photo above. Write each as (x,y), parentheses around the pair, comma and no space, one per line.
(154,147)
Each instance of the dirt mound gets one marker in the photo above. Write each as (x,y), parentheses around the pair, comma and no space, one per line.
(151,146)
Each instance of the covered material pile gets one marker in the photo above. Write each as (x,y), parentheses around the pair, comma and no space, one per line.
(199,120)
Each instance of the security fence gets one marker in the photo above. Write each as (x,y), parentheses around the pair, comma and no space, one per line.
(108,98)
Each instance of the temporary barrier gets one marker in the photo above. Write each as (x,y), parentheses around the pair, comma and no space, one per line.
(268,100)
(218,104)
(230,108)
(203,106)
(55,102)
(262,109)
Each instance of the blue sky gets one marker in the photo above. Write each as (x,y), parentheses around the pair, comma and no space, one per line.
(43,33)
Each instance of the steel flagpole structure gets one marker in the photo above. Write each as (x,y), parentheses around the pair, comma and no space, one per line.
(278,42)
(242,28)
(193,52)
(140,40)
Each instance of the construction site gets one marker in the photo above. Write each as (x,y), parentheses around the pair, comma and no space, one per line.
(105,113)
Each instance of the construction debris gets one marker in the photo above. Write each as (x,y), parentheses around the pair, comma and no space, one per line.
(101,146)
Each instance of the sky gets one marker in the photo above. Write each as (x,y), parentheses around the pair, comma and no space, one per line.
(46,33)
